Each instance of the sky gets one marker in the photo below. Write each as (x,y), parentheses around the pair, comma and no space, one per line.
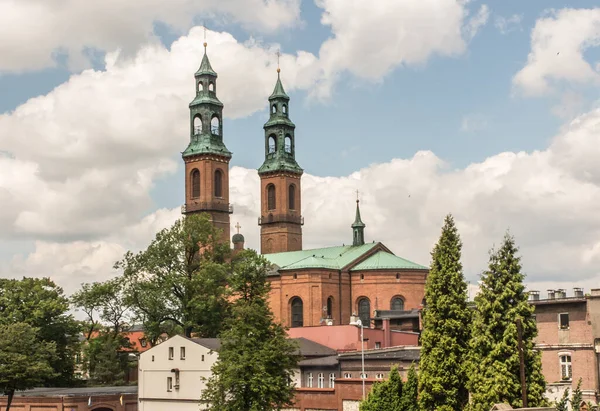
(486,110)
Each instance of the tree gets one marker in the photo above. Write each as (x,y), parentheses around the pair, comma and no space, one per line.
(180,279)
(577,397)
(41,304)
(256,360)
(385,395)
(446,318)
(494,366)
(410,391)
(563,404)
(107,359)
(25,359)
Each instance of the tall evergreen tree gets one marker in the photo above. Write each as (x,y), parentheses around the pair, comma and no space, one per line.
(256,363)
(577,397)
(446,318)
(410,391)
(385,395)
(494,367)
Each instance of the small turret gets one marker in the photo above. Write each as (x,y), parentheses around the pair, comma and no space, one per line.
(358,227)
(238,240)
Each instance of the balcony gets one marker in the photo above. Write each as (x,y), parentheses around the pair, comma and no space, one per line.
(281,218)
(206,206)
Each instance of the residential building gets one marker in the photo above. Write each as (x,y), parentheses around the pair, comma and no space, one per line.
(569,340)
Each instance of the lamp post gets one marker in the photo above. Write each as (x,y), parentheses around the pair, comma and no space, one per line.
(358,323)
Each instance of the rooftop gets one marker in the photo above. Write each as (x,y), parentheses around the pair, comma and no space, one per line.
(77,392)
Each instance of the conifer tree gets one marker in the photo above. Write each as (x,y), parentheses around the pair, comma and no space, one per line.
(563,404)
(494,367)
(385,395)
(410,391)
(577,397)
(446,318)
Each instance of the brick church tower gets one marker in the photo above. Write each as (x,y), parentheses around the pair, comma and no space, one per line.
(206,157)
(280,221)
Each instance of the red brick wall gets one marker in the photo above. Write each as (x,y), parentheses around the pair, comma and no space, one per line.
(331,399)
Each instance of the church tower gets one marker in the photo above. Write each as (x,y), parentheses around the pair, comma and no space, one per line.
(206,157)
(280,221)
(358,228)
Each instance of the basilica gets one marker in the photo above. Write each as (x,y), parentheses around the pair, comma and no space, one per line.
(324,286)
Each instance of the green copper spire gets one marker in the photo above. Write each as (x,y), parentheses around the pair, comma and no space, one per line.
(280,154)
(358,227)
(206,115)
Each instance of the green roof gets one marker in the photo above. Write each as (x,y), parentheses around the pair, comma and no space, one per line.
(205,67)
(205,98)
(278,91)
(206,144)
(386,261)
(276,162)
(330,257)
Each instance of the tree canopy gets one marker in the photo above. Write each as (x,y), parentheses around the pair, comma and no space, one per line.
(385,395)
(256,361)
(494,366)
(446,319)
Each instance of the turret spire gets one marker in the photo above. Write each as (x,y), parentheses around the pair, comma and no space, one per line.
(358,227)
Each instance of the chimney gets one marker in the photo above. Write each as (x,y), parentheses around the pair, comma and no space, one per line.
(551,294)
(534,295)
(561,293)
(578,292)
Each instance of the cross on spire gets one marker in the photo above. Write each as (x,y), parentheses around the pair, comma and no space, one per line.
(205,43)
(278,55)
(357,196)
(238,226)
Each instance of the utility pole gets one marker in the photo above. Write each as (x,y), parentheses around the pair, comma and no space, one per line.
(522,362)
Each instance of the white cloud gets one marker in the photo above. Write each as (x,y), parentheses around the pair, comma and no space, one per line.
(558,43)
(372,38)
(508,24)
(571,104)
(78,27)
(473,122)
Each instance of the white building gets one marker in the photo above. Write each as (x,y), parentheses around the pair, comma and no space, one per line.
(171,375)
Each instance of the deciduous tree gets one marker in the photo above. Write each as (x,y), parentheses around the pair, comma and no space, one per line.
(494,366)
(446,319)
(256,361)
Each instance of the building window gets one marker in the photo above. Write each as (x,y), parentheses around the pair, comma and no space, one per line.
(171,353)
(320,380)
(200,86)
(397,277)
(271,203)
(566,372)
(143,342)
(292,197)
(218,183)
(347,375)
(274,109)
(309,380)
(287,144)
(152,358)
(330,307)
(182,353)
(397,304)
(362,277)
(563,321)
(377,345)
(284,107)
(363,376)
(202,357)
(169,384)
(197,125)
(332,380)
(271,144)
(297,312)
(215,126)
(295,276)
(195,183)
(379,376)
(364,311)
(211,86)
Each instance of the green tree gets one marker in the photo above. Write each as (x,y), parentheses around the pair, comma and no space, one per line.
(446,319)
(385,395)
(25,359)
(180,279)
(577,397)
(107,359)
(42,304)
(410,391)
(256,360)
(494,366)
(563,404)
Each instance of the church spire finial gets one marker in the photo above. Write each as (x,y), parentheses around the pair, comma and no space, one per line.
(358,227)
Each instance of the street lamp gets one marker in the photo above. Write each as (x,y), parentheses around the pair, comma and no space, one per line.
(358,323)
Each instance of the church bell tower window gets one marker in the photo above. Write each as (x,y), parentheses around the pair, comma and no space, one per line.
(197,125)
(195,183)
(215,125)
(271,202)
(218,183)
(292,197)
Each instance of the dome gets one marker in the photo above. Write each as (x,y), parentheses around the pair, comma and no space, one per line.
(238,238)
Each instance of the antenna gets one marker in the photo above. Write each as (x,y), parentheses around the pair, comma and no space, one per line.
(205,43)
(278,55)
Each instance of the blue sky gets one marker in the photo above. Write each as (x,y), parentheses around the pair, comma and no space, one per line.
(463,107)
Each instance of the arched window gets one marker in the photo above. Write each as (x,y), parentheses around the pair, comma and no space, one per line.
(274,109)
(197,125)
(284,108)
(200,86)
(195,183)
(211,86)
(272,144)
(292,197)
(271,203)
(397,304)
(288,144)
(215,125)
(218,183)
(364,311)
(330,307)
(297,315)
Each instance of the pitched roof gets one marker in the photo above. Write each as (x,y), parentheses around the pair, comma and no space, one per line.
(396,353)
(211,343)
(309,348)
(329,361)
(205,67)
(278,91)
(330,257)
(387,261)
